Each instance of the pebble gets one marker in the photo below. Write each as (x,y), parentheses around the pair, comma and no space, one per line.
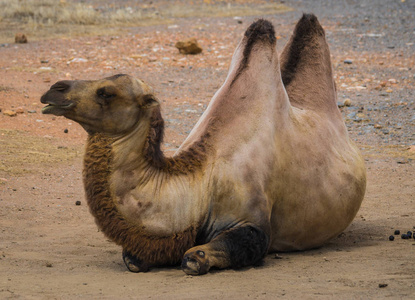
(397,232)
(9,113)
(348,61)
(77,203)
(391,237)
(409,233)
(347,102)
(378,126)
(66,130)
(238,19)
(383,285)
(19,110)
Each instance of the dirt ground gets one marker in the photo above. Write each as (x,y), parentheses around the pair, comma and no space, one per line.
(50,247)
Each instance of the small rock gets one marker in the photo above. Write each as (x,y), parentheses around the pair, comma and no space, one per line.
(49,265)
(397,232)
(9,113)
(19,110)
(238,19)
(190,46)
(409,233)
(347,102)
(44,61)
(348,61)
(31,111)
(404,236)
(389,91)
(66,130)
(77,203)
(78,60)
(383,285)
(20,38)
(391,237)
(378,126)
(392,81)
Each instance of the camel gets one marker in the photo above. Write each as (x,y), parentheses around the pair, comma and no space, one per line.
(268,167)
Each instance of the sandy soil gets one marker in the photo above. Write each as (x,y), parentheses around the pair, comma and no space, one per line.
(50,247)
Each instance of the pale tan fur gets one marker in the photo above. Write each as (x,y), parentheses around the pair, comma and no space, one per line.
(289,168)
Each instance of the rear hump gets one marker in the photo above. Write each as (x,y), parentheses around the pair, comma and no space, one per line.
(306,67)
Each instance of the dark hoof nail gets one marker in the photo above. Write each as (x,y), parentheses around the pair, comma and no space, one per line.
(133,264)
(192,266)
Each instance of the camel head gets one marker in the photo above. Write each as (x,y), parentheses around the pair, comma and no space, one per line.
(112,105)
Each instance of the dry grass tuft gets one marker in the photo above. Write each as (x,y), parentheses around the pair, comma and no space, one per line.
(48,18)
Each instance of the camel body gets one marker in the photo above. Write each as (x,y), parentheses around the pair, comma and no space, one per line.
(268,167)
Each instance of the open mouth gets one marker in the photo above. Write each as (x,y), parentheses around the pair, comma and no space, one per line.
(55,109)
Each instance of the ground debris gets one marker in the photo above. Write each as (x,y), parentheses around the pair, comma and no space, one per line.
(20,38)
(9,113)
(190,46)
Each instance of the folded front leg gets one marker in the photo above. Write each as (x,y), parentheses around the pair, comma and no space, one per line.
(234,248)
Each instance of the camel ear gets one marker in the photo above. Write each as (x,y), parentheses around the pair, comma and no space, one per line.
(149,101)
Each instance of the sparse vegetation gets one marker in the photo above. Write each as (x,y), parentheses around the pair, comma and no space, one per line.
(42,18)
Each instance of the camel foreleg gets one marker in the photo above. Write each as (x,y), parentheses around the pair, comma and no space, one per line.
(234,248)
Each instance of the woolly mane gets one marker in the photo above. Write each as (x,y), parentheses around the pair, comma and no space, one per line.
(149,248)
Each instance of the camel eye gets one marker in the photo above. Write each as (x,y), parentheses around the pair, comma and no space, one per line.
(105,94)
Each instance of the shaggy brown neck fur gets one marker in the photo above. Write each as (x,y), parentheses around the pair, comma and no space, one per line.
(153,250)
(185,162)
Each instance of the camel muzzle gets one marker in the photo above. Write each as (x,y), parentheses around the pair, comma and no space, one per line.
(58,104)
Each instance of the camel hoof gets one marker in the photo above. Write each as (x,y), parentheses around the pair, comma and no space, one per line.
(133,264)
(195,263)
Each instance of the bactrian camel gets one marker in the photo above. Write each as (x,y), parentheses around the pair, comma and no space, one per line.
(268,167)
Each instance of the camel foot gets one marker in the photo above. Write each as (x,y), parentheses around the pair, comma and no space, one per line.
(133,264)
(195,263)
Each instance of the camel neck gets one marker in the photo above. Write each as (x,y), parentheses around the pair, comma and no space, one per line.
(133,237)
(141,149)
